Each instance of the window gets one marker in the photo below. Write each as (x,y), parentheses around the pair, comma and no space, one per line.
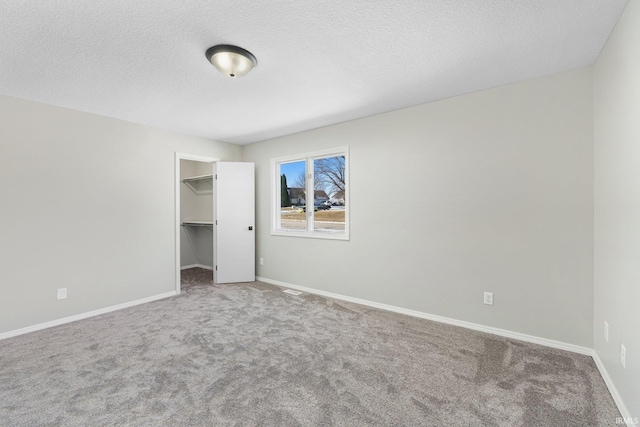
(310,194)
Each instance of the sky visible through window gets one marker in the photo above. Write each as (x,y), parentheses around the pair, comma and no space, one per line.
(292,171)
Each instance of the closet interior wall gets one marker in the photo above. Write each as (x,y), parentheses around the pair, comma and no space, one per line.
(196,204)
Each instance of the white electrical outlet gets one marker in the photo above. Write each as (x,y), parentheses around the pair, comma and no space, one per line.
(623,356)
(261,261)
(488,298)
(606,331)
(62,293)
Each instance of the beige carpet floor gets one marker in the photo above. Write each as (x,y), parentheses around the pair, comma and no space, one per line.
(250,355)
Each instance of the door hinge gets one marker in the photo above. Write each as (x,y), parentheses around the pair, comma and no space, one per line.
(216,222)
(216,268)
(216,176)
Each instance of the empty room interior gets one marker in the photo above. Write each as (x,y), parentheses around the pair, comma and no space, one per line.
(469,256)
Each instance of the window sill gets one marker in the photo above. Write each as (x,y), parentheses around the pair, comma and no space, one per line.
(314,235)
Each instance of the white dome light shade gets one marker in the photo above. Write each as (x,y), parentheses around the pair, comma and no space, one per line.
(231,61)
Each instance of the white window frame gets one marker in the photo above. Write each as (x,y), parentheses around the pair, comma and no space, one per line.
(276,195)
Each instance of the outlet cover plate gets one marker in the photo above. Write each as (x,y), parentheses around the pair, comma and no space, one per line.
(62,293)
(488,298)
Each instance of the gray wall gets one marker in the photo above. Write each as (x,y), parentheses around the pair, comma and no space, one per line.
(617,205)
(491,191)
(87,204)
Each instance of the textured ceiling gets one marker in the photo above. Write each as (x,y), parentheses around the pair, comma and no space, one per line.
(319,61)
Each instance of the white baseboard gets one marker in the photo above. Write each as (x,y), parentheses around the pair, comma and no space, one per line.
(476,327)
(613,390)
(206,267)
(86,315)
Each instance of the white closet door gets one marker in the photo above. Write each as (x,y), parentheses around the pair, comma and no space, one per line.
(235,243)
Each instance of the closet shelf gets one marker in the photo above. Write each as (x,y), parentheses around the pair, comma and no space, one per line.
(197,223)
(198,178)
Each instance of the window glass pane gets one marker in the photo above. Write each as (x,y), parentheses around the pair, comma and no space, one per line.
(329,194)
(293,196)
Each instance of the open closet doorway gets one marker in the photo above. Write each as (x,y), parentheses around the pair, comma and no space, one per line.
(215,214)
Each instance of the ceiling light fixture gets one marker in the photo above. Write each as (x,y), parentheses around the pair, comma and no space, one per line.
(232,61)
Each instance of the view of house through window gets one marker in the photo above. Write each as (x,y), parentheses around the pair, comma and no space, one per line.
(312,195)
